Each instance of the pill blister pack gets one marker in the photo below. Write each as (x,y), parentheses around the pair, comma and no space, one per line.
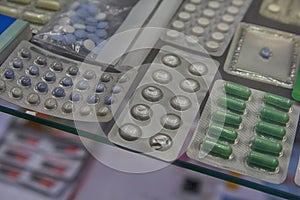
(210,24)
(246,131)
(284,11)
(84,28)
(264,54)
(37,12)
(47,83)
(159,115)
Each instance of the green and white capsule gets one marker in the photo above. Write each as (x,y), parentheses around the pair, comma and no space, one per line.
(231,103)
(223,133)
(216,148)
(278,101)
(227,118)
(266,146)
(274,116)
(237,90)
(262,161)
(270,130)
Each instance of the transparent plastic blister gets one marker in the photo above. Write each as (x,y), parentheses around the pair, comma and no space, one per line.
(284,11)
(246,147)
(84,27)
(159,115)
(264,54)
(39,80)
(208,23)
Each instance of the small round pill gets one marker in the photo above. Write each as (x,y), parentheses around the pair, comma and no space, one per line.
(101,16)
(89,74)
(94,38)
(9,74)
(57,37)
(80,34)
(100,87)
(196,1)
(190,85)
(237,3)
(73,70)
(106,77)
(214,5)
(93,99)
(171,60)
(223,27)
(68,29)
(41,87)
(178,25)
(2,85)
(198,69)
(33,99)
(162,76)
(180,103)
(203,21)
(209,13)
(25,81)
(76,19)
(69,39)
(170,121)
(237,90)
(93,10)
(50,104)
(82,13)
(141,112)
(103,111)
(172,34)
(79,26)
(33,70)
(265,53)
(50,77)
(212,46)
(152,93)
(17,63)
(85,110)
(109,100)
(189,7)
(57,66)
(228,19)
(217,36)
(41,60)
(130,132)
(67,107)
(89,44)
(66,81)
(17,92)
(82,85)
(198,30)
(233,10)
(90,29)
(91,21)
(74,96)
(25,53)
(101,33)
(274,8)
(102,25)
(58,92)
(116,89)
(160,142)
(191,39)
(184,16)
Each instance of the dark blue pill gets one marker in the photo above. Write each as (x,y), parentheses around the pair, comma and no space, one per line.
(57,66)
(17,63)
(42,87)
(57,37)
(69,39)
(73,70)
(101,33)
(82,85)
(93,10)
(265,53)
(25,81)
(109,100)
(66,81)
(100,87)
(91,21)
(58,92)
(94,38)
(116,89)
(102,25)
(83,13)
(80,34)
(74,96)
(92,99)
(50,77)
(33,70)
(9,74)
(76,19)
(90,29)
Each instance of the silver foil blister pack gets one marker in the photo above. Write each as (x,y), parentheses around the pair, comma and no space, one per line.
(203,25)
(159,115)
(246,131)
(264,54)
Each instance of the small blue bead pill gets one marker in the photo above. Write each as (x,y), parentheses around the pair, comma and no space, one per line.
(25,81)
(17,63)
(90,29)
(93,10)
(82,85)
(91,21)
(50,77)
(42,87)
(80,34)
(9,74)
(66,81)
(265,53)
(33,70)
(101,33)
(100,87)
(116,89)
(83,13)
(58,92)
(69,39)
(92,99)
(57,38)
(74,96)
(109,100)
(76,19)
(102,25)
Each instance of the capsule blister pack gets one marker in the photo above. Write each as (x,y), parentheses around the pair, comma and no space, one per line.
(264,54)
(11,174)
(246,131)
(284,11)
(47,83)
(36,12)
(159,115)
(208,23)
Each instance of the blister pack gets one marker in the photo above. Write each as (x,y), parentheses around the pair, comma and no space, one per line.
(246,131)
(159,114)
(39,80)
(208,23)
(264,54)
(284,11)
(11,174)
(37,12)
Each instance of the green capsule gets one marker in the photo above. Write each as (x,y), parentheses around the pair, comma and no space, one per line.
(237,90)
(274,116)
(266,146)
(271,130)
(278,101)
(231,103)
(262,161)
(216,148)
(227,118)
(223,133)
